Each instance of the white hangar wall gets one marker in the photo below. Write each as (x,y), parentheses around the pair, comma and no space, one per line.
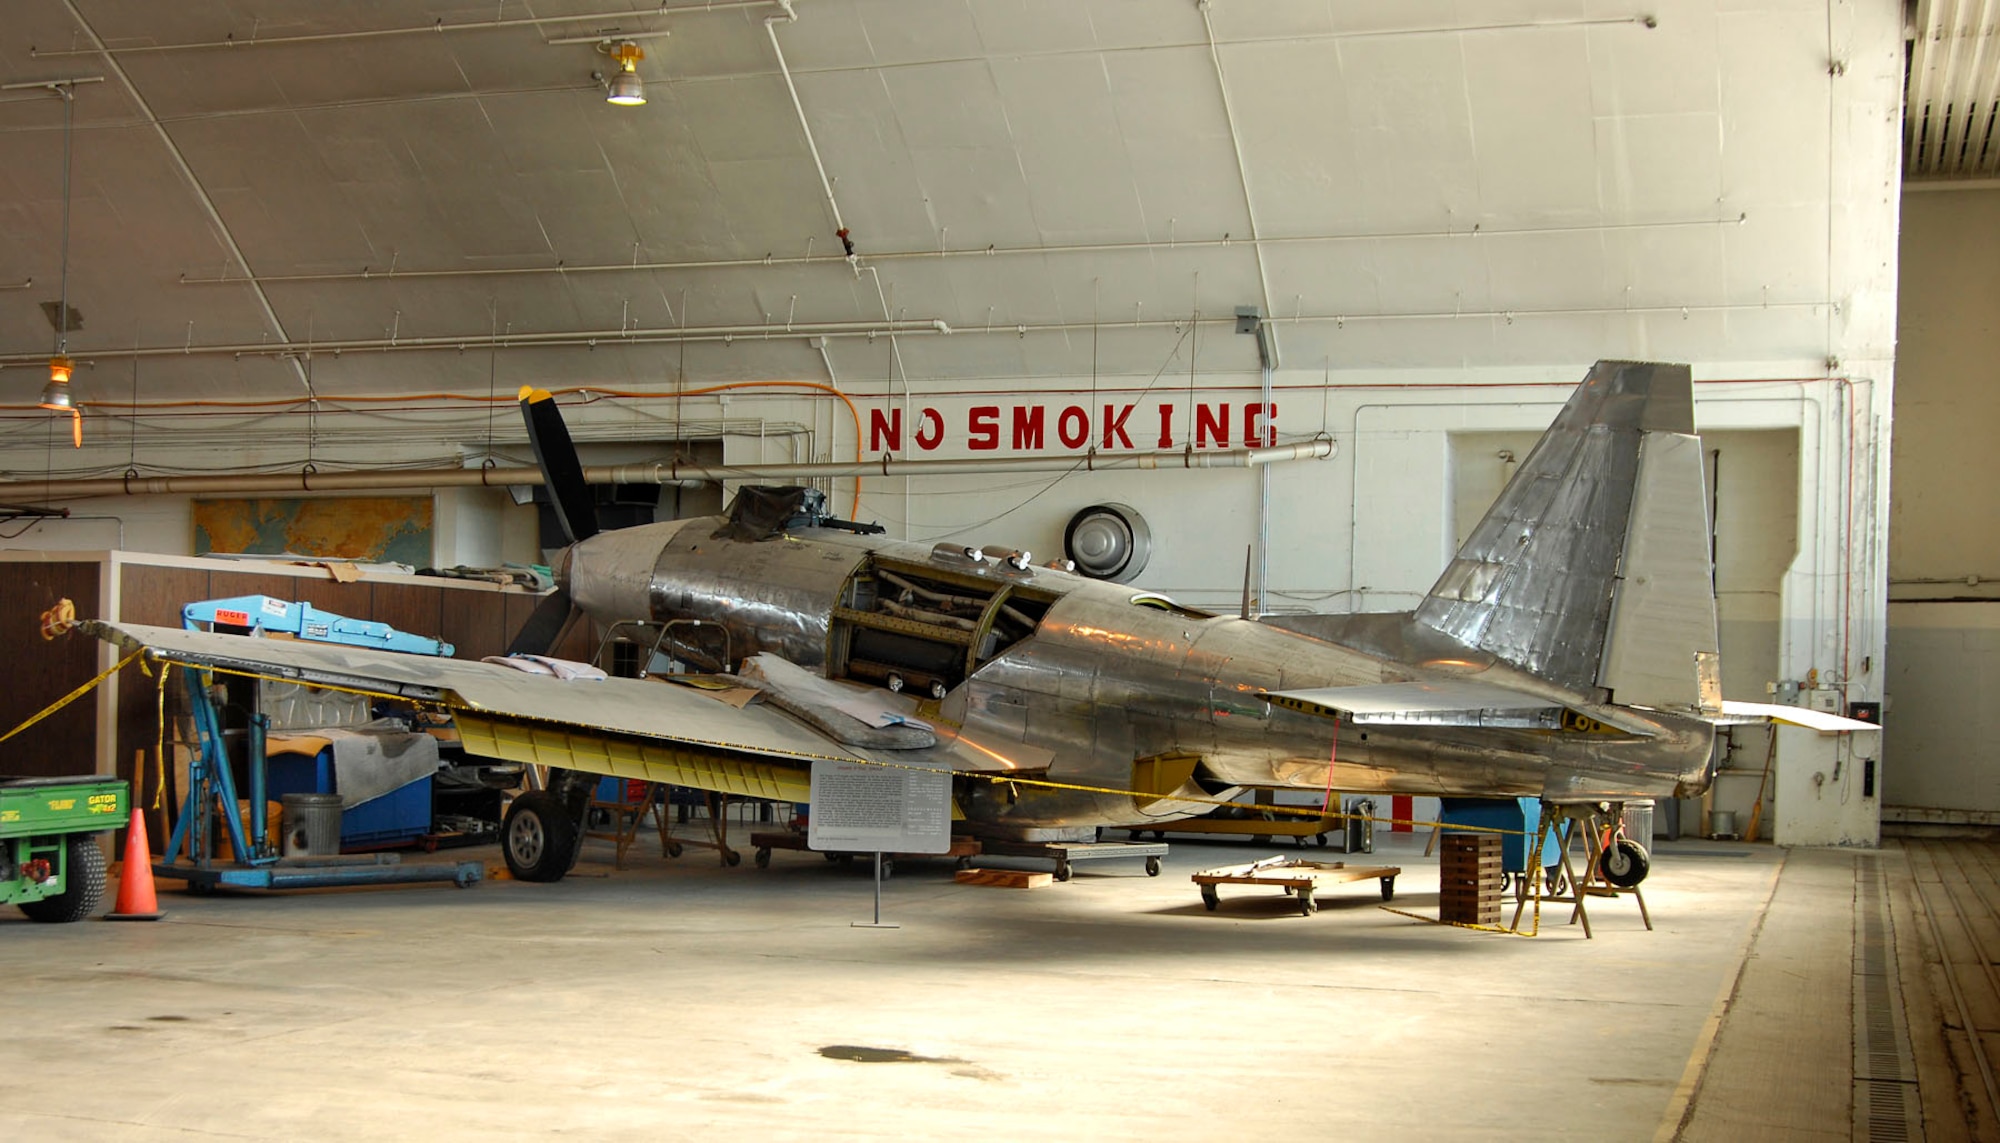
(1770,128)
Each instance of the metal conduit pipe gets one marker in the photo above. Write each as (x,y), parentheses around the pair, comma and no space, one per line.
(587,338)
(684,475)
(435,27)
(890,329)
(1145,246)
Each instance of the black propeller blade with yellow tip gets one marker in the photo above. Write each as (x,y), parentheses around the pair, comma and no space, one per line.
(576,511)
(576,508)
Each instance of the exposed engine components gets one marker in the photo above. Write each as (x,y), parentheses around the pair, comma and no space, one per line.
(1109,541)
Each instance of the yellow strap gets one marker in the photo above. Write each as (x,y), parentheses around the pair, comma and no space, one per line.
(159,742)
(73,695)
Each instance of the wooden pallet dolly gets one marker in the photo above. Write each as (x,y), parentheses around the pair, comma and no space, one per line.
(1300,878)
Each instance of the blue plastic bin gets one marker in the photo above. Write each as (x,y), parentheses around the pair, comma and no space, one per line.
(400,815)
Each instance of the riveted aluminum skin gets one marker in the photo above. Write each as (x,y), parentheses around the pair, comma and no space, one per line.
(773,595)
(1533,583)
(1106,680)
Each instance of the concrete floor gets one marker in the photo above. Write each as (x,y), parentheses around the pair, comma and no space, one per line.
(681,998)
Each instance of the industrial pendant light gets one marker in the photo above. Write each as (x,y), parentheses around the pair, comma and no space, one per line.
(56,395)
(626,88)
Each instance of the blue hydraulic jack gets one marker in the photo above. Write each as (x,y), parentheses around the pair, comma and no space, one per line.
(212,786)
(256,613)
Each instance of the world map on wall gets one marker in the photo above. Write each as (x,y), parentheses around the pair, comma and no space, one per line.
(365,529)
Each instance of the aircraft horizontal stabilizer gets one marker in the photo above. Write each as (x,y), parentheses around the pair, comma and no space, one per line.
(1453,703)
(1740,713)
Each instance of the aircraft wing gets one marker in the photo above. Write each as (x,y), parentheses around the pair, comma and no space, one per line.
(1752,712)
(634,728)
(1455,702)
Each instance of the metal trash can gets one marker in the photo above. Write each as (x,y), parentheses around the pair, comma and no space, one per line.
(311,825)
(1722,824)
(1639,823)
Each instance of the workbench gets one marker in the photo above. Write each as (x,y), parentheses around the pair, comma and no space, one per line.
(1298,877)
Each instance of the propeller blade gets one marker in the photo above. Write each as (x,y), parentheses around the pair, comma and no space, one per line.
(576,509)
(546,626)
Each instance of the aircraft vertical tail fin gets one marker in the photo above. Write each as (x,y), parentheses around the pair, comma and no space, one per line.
(1592,569)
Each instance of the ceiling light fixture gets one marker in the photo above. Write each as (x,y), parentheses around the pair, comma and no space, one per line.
(626,88)
(56,394)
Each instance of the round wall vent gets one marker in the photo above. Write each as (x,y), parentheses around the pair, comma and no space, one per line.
(1108,541)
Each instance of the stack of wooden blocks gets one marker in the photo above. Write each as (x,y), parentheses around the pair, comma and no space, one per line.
(1470,879)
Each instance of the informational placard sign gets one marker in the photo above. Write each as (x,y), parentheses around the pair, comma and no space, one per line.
(862,808)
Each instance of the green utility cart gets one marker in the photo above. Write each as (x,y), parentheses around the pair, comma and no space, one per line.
(49,863)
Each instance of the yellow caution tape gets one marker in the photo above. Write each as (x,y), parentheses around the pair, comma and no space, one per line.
(71,696)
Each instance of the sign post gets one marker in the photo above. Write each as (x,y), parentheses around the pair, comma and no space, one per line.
(859,807)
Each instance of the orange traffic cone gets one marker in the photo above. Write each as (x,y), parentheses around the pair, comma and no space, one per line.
(136,901)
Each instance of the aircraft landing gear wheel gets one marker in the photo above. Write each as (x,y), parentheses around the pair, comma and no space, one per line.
(1625,863)
(1388,888)
(538,839)
(763,857)
(1307,906)
(1152,867)
(1062,871)
(1210,898)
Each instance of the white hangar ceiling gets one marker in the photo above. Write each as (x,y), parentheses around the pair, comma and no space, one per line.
(1034,188)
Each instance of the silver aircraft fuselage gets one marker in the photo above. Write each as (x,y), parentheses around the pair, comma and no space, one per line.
(1107,676)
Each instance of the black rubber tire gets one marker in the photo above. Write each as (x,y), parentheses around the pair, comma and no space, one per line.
(673,849)
(1210,898)
(83,885)
(1320,840)
(1625,863)
(764,857)
(1063,871)
(538,839)
(732,858)
(1307,906)
(1152,867)
(1388,888)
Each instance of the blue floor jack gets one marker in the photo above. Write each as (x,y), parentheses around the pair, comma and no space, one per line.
(212,785)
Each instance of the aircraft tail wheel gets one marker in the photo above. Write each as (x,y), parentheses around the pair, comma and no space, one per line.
(1625,863)
(538,839)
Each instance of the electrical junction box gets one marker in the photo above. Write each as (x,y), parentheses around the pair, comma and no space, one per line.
(1826,700)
